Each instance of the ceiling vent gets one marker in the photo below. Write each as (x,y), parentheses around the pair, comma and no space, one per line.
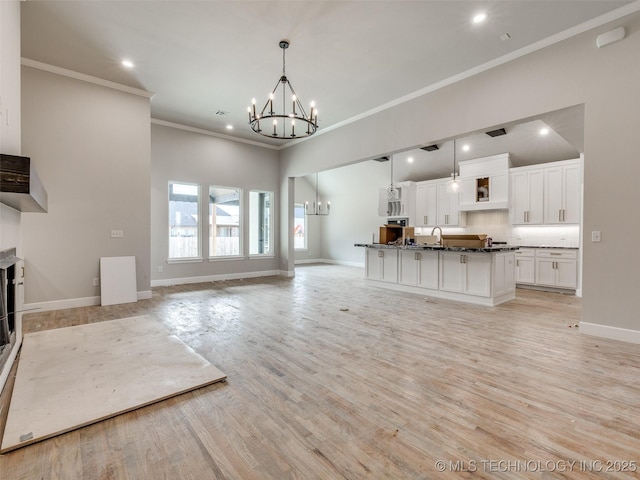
(497,133)
(381,159)
(430,148)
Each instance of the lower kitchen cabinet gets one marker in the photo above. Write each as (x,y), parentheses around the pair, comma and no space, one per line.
(556,268)
(418,269)
(482,278)
(526,266)
(468,273)
(382,264)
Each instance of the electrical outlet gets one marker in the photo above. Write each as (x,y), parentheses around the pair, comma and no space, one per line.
(596,236)
(96,282)
(117,234)
(160,269)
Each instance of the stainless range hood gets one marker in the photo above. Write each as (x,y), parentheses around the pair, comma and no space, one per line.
(20,186)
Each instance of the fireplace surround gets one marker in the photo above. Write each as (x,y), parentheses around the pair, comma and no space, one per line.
(11,299)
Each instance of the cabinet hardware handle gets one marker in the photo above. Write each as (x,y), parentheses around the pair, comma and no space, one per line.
(426,220)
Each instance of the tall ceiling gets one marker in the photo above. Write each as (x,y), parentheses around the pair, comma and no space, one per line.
(205,60)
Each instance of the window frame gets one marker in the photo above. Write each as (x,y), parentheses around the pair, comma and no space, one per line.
(270,233)
(240,254)
(304,228)
(190,259)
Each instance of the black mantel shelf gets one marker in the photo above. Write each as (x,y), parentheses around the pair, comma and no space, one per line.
(20,186)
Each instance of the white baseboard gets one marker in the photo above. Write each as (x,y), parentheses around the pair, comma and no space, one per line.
(614,333)
(213,278)
(332,262)
(287,273)
(74,303)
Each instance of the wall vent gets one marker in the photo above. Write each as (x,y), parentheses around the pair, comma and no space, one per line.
(497,132)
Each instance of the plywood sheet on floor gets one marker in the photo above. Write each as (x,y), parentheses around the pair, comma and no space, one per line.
(71,377)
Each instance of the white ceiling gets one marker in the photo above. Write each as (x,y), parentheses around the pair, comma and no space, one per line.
(351,57)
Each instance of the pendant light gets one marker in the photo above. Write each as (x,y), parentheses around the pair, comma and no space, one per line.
(392,192)
(453,186)
(317,208)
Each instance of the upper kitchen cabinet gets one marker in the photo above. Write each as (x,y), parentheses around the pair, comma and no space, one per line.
(448,207)
(485,183)
(427,203)
(401,204)
(527,196)
(562,192)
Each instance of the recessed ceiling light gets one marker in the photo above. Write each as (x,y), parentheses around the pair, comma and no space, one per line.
(410,159)
(229,127)
(479,18)
(466,148)
(127,63)
(544,131)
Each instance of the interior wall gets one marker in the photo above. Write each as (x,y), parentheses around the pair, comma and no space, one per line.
(91,147)
(191,157)
(573,72)
(10,127)
(306,192)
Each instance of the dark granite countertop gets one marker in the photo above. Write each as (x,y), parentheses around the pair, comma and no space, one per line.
(497,248)
(548,246)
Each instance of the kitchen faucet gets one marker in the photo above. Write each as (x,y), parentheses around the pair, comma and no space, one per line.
(440,237)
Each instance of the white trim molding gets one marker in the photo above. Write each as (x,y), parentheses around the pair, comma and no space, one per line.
(27,62)
(614,333)
(213,278)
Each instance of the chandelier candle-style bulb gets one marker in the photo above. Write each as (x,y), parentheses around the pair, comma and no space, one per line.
(276,107)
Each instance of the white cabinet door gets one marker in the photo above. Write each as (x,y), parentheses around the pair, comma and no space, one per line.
(545,272)
(466,273)
(448,207)
(452,272)
(418,268)
(382,264)
(562,193)
(572,194)
(478,274)
(566,273)
(525,270)
(426,205)
(527,199)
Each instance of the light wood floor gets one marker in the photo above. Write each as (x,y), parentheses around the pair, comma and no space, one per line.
(381,391)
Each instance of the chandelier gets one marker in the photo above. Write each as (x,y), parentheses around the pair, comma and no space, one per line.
(317,208)
(285,124)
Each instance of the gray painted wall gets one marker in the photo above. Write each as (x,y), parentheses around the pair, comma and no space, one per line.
(606,81)
(185,156)
(92,151)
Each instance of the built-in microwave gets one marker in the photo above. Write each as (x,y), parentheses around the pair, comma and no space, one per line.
(403,222)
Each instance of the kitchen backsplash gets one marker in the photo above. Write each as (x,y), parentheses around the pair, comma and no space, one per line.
(495,223)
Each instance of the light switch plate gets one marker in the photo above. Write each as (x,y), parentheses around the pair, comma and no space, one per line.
(596,236)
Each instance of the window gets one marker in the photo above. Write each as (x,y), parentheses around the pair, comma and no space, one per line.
(261,220)
(224,221)
(299,227)
(184,228)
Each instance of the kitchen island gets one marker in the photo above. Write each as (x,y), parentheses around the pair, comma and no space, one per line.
(482,276)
